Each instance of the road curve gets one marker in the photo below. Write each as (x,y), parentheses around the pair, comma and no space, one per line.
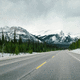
(54,65)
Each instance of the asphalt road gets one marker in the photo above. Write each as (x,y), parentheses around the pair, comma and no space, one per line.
(54,65)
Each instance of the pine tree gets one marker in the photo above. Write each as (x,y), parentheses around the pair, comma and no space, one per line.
(20,40)
(2,43)
(2,37)
(15,36)
(79,43)
(16,50)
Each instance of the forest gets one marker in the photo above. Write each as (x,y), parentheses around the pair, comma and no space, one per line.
(75,45)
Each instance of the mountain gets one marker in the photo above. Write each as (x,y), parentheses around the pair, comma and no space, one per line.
(9,33)
(59,39)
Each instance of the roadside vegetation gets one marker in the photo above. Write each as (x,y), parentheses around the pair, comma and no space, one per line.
(75,45)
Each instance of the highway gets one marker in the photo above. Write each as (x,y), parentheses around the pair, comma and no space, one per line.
(53,65)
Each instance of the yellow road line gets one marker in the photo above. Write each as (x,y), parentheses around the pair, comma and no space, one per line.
(41,65)
(53,56)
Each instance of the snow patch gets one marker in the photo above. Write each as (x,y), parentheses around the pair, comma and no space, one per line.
(77,51)
(53,38)
(10,56)
(20,33)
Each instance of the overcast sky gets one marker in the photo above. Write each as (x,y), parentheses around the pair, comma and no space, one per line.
(38,16)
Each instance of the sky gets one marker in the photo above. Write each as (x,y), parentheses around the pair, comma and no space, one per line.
(42,16)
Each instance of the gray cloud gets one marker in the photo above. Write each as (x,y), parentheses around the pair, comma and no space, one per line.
(69,8)
(40,13)
(27,8)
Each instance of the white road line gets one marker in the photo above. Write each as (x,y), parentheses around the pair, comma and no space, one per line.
(74,57)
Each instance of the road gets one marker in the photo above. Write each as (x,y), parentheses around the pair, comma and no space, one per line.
(54,65)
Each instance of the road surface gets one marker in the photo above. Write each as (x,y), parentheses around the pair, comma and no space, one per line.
(54,65)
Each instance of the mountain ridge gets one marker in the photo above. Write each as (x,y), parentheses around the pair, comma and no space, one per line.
(25,35)
(9,33)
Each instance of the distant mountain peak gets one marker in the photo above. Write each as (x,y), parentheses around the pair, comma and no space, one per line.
(61,33)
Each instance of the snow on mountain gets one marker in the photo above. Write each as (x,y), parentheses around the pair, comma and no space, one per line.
(61,34)
(19,32)
(54,38)
(9,33)
(60,38)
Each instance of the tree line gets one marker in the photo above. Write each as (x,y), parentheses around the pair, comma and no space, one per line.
(18,46)
(75,45)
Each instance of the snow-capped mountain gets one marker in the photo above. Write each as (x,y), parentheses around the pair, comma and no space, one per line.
(60,38)
(9,33)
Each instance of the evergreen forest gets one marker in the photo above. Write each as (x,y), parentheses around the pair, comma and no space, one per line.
(75,45)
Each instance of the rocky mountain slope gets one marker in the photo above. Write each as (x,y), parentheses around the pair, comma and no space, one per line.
(9,33)
(57,38)
(61,40)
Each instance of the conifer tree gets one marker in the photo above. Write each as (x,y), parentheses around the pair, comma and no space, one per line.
(2,37)
(20,40)
(2,43)
(16,50)
(15,36)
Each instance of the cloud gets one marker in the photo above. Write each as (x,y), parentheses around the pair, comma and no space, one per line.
(68,8)
(38,15)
